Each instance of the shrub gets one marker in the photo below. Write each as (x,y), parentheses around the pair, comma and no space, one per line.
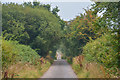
(104,51)
(69,60)
(27,54)
(9,53)
(13,52)
(48,57)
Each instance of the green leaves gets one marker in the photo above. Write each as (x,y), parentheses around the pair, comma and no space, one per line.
(102,51)
(55,10)
(82,29)
(32,24)
(13,52)
(109,12)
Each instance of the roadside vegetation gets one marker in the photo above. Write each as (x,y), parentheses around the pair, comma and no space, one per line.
(92,42)
(100,59)
(21,61)
(31,33)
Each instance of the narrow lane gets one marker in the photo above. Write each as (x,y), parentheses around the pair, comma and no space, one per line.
(60,69)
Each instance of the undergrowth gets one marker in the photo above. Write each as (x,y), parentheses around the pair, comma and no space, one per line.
(21,61)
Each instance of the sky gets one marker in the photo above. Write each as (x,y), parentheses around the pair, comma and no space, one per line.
(69,9)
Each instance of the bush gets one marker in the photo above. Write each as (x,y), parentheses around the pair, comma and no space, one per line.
(13,52)
(48,57)
(69,60)
(76,66)
(27,54)
(104,51)
(9,53)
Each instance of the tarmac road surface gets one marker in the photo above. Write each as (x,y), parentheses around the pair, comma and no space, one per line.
(60,69)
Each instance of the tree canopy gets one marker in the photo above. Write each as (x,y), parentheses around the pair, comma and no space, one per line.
(32,24)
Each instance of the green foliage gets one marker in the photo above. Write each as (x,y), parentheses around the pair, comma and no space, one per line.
(13,52)
(9,53)
(80,31)
(96,36)
(35,25)
(110,15)
(104,51)
(55,10)
(110,18)
(69,60)
(77,68)
(26,54)
(110,12)
(41,30)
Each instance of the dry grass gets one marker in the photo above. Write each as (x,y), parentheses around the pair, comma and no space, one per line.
(95,71)
(92,72)
(88,70)
(27,70)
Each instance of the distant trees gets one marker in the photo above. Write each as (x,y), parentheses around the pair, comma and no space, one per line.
(89,26)
(80,31)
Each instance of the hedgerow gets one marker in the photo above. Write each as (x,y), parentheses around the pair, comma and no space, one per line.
(104,51)
(13,52)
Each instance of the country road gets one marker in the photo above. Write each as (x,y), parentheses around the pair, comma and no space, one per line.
(60,69)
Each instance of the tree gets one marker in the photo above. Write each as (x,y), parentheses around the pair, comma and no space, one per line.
(110,17)
(41,30)
(35,3)
(55,10)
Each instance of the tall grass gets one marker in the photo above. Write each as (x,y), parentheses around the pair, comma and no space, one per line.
(87,70)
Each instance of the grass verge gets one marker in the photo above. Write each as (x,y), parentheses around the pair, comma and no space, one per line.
(87,70)
(27,70)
